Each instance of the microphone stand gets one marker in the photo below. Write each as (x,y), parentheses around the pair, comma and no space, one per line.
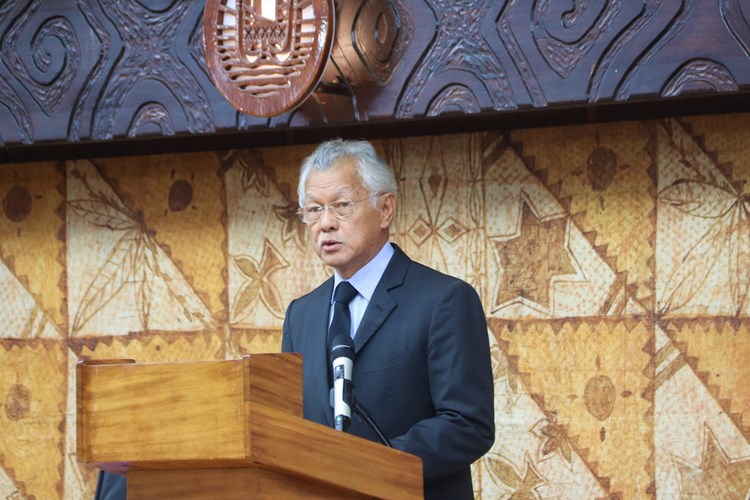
(364,415)
(360,411)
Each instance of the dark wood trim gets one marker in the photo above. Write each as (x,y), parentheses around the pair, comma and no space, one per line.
(383,129)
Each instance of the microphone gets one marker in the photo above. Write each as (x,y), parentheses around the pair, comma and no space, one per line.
(342,360)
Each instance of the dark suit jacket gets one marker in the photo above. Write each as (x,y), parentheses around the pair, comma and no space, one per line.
(110,486)
(422,369)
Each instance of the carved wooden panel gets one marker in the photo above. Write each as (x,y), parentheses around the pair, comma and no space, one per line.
(75,72)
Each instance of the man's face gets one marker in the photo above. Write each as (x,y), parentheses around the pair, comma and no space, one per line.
(347,245)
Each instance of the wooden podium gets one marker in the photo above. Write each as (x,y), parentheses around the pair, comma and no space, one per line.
(226,429)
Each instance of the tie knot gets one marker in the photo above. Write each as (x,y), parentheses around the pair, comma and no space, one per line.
(345,292)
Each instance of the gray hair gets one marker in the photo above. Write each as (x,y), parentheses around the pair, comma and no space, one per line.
(375,173)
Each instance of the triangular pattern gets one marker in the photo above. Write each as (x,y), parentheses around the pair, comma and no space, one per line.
(120,279)
(8,489)
(702,234)
(590,287)
(22,316)
(520,444)
(685,414)
(717,350)
(590,396)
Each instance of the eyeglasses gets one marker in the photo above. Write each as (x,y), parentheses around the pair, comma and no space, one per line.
(340,209)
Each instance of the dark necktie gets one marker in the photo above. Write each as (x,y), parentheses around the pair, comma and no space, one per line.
(342,322)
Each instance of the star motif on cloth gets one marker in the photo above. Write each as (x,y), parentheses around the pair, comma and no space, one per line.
(504,473)
(532,259)
(256,281)
(717,477)
(553,440)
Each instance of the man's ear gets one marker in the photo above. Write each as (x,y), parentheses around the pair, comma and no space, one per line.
(387,205)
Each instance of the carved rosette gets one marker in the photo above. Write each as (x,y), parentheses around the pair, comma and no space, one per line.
(265,57)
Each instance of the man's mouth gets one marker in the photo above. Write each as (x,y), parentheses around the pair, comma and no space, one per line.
(329,244)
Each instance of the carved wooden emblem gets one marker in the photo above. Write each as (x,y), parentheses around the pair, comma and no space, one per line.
(266,56)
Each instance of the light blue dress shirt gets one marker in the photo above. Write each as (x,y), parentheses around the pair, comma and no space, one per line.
(364,281)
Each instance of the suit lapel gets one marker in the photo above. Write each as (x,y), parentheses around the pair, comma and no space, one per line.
(382,303)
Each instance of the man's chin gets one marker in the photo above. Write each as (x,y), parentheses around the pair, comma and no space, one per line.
(332,259)
(339,264)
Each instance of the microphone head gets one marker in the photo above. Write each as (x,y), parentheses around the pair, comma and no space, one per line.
(342,346)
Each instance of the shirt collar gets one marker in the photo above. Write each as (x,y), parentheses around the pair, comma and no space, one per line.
(366,279)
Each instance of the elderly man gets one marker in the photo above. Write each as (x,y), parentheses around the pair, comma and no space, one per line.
(422,365)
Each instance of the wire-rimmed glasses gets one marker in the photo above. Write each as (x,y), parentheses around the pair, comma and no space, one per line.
(341,209)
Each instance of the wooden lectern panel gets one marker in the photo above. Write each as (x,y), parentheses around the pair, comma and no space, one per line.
(308,449)
(227,484)
(229,429)
(143,412)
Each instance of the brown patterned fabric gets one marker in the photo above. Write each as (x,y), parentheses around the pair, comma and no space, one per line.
(611,259)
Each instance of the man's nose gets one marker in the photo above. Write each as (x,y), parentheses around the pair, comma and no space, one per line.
(327,220)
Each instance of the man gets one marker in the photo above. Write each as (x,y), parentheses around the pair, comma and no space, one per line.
(422,366)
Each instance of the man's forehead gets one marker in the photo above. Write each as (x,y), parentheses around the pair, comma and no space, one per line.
(333,181)
(320,191)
